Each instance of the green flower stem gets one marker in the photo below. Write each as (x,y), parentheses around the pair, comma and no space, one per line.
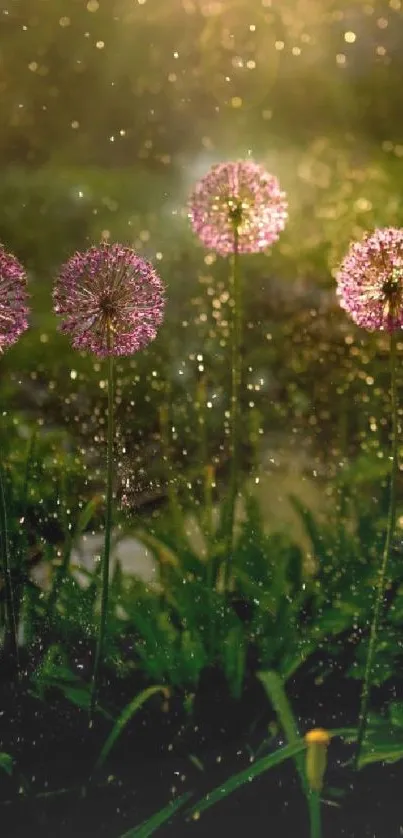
(174,506)
(208,480)
(315,814)
(236,365)
(22,551)
(207,469)
(382,577)
(11,637)
(207,515)
(108,530)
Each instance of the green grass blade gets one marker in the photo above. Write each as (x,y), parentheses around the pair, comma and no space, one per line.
(86,515)
(11,635)
(274,687)
(374,751)
(392,752)
(148,827)
(29,462)
(347,733)
(246,776)
(129,711)
(23,540)
(6,763)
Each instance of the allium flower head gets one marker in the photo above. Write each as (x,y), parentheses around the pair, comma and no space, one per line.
(111,300)
(13,299)
(238,196)
(370,280)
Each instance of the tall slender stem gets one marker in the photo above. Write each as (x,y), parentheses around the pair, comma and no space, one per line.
(23,535)
(207,522)
(236,366)
(315,814)
(174,506)
(382,577)
(108,530)
(208,481)
(62,570)
(11,625)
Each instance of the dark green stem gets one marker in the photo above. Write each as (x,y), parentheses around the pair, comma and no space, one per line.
(108,530)
(382,577)
(62,570)
(11,638)
(22,551)
(174,506)
(208,479)
(204,459)
(236,366)
(315,814)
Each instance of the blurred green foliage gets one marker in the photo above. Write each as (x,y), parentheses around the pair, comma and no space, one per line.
(286,604)
(128,80)
(308,370)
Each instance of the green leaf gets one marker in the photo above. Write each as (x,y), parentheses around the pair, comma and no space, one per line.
(234,659)
(391,752)
(383,743)
(157,820)
(80,696)
(246,776)
(161,552)
(6,763)
(380,744)
(86,515)
(192,658)
(274,687)
(129,711)
(396,713)
(157,644)
(347,733)
(55,673)
(312,529)
(295,657)
(196,762)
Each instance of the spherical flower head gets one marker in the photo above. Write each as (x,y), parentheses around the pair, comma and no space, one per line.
(238,201)
(370,280)
(13,299)
(110,299)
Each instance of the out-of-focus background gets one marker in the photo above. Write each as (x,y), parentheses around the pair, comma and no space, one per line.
(110,110)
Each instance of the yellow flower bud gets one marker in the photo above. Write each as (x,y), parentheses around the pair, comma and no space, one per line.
(317,741)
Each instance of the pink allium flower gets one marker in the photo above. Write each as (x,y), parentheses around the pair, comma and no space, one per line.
(13,299)
(370,280)
(240,196)
(109,290)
